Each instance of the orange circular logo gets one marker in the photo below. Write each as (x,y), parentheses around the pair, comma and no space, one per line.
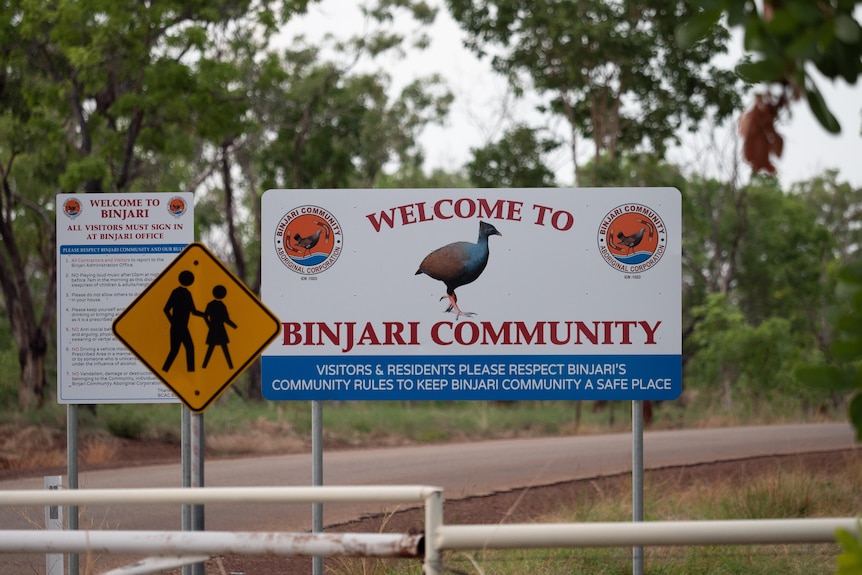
(177,206)
(72,208)
(308,240)
(632,238)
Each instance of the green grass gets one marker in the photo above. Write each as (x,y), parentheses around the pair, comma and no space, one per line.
(774,493)
(779,492)
(382,422)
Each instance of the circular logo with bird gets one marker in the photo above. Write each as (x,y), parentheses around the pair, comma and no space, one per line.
(176,206)
(632,238)
(72,208)
(308,240)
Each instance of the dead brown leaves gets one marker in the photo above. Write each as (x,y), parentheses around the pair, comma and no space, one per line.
(761,141)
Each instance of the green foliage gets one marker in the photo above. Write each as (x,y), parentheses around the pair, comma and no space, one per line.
(787,39)
(160,422)
(515,161)
(844,372)
(126,421)
(131,96)
(105,96)
(415,177)
(850,560)
(836,206)
(731,354)
(613,70)
(780,264)
(632,170)
(768,256)
(330,128)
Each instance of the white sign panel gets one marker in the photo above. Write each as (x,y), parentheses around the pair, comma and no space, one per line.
(109,248)
(463,294)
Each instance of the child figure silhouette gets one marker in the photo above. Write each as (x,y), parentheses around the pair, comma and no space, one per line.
(217,318)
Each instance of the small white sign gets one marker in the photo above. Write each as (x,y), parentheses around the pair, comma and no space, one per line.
(473,293)
(109,248)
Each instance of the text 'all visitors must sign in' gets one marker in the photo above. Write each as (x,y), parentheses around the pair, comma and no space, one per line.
(460,294)
(109,248)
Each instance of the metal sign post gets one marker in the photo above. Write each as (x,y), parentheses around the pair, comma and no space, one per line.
(317,476)
(72,470)
(637,479)
(193,476)
(178,293)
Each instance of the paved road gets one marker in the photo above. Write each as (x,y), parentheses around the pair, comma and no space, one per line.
(463,470)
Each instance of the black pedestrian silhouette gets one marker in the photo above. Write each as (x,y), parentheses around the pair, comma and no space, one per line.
(217,318)
(179,308)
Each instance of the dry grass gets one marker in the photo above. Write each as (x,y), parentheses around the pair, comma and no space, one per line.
(22,448)
(260,436)
(787,490)
(100,449)
(32,447)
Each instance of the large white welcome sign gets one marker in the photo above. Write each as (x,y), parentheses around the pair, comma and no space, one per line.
(459,294)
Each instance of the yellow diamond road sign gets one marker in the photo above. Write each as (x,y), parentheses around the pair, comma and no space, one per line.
(196,327)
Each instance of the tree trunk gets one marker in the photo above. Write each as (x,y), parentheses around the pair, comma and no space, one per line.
(31,386)
(570,116)
(726,386)
(254,385)
(29,331)
(230,215)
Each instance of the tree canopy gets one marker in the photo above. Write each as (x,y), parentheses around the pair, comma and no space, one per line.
(126,96)
(612,69)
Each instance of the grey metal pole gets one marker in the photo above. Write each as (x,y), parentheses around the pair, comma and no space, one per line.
(198,443)
(317,476)
(197,478)
(637,479)
(72,470)
(186,456)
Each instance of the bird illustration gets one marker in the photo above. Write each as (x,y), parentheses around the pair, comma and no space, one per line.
(309,242)
(458,264)
(631,241)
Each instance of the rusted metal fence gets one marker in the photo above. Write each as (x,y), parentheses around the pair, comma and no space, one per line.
(202,544)
(436,538)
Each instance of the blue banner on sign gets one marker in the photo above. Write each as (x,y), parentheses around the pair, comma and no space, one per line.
(121,249)
(483,377)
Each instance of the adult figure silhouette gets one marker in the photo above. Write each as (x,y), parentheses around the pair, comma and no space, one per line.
(217,318)
(179,309)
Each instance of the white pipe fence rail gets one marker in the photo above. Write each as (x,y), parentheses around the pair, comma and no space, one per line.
(646,534)
(204,495)
(436,538)
(188,543)
(211,543)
